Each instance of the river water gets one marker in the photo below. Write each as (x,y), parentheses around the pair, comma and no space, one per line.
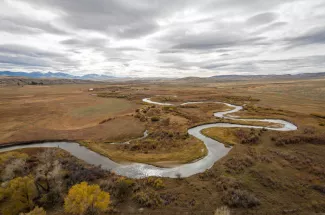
(216,150)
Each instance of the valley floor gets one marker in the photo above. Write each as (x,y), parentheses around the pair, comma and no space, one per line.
(265,172)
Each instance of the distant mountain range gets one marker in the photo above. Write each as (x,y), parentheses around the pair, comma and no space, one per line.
(96,77)
(301,75)
(60,75)
(252,77)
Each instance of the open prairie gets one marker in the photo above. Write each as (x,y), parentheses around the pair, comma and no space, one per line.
(63,112)
(265,172)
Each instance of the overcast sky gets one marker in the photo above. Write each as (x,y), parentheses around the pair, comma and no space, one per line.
(169,38)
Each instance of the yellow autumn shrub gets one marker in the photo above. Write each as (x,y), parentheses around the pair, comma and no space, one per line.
(4,157)
(156,183)
(83,197)
(18,195)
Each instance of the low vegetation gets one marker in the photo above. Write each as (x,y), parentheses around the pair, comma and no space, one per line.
(222,211)
(239,198)
(265,172)
(233,136)
(86,199)
(42,181)
(19,194)
(36,211)
(148,198)
(318,139)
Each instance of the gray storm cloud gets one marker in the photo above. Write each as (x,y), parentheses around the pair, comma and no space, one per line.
(170,38)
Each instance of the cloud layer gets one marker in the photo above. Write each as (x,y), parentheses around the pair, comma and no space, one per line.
(165,38)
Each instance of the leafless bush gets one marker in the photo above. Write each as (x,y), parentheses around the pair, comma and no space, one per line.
(238,164)
(79,173)
(106,185)
(224,210)
(13,169)
(225,183)
(248,138)
(253,139)
(49,179)
(299,139)
(168,198)
(48,171)
(52,197)
(208,175)
(123,187)
(239,198)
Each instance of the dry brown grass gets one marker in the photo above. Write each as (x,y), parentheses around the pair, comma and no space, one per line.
(286,179)
(190,150)
(233,136)
(62,112)
(223,135)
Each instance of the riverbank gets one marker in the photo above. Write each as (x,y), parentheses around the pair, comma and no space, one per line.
(215,151)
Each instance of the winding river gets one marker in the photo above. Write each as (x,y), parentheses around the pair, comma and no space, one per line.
(216,150)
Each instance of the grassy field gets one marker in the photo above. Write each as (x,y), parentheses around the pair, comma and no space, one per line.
(190,150)
(167,143)
(266,172)
(224,135)
(33,113)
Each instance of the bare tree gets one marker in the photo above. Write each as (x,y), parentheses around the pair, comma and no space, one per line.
(13,169)
(48,170)
(48,177)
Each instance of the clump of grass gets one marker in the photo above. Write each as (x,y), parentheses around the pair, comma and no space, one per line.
(155,118)
(148,198)
(156,183)
(123,187)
